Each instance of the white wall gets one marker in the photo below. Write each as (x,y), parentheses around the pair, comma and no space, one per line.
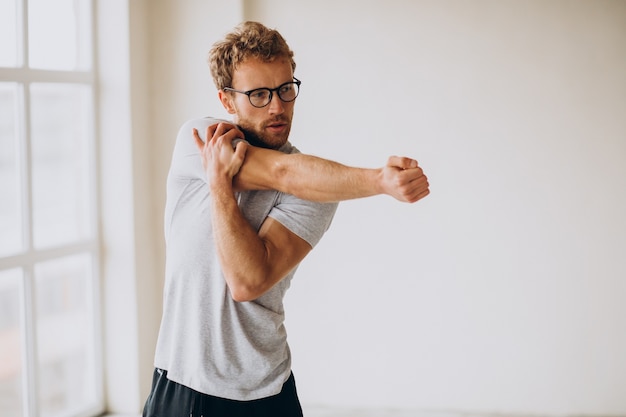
(503,290)
(121,345)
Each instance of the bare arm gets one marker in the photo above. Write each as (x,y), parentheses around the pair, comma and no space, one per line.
(252,263)
(317,179)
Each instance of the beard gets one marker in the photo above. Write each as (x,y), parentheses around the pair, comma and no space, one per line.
(257,135)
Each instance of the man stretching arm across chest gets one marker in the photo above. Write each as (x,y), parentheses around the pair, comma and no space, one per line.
(238,222)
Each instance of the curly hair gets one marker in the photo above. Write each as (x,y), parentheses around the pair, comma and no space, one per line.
(247,40)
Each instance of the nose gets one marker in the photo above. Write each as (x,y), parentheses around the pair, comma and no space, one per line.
(276,105)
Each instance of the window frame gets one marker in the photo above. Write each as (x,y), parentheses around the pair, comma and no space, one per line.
(24,77)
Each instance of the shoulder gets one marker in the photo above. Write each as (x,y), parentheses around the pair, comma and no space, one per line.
(199,123)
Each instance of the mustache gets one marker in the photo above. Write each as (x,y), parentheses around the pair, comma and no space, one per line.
(277,120)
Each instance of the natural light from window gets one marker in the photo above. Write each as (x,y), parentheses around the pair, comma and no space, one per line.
(50,363)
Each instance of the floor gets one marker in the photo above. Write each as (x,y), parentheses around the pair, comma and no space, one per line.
(330,412)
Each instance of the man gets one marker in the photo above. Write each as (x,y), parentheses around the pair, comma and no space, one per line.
(243,209)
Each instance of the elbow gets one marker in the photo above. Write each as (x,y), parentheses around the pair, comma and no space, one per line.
(283,181)
(250,289)
(241,295)
(286,174)
(241,292)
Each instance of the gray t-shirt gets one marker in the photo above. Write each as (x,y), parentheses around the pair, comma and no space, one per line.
(207,341)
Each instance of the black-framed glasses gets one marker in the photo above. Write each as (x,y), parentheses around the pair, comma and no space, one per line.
(261,97)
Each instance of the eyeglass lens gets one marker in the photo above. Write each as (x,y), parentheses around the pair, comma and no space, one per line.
(261,97)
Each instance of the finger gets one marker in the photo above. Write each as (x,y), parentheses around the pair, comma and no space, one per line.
(198,140)
(224,127)
(221,129)
(210,132)
(228,126)
(420,183)
(240,134)
(401,162)
(422,191)
(233,129)
(416,189)
(240,150)
(410,174)
(415,194)
(233,134)
(422,195)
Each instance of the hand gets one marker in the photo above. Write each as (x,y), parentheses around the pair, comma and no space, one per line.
(220,161)
(404,180)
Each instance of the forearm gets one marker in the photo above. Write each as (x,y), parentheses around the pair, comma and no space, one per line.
(313,178)
(242,253)
(316,179)
(307,177)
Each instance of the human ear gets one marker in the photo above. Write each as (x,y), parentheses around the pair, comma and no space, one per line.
(227,101)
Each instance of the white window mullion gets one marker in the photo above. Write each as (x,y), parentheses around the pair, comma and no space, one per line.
(53,76)
(25,166)
(95,201)
(22,29)
(28,286)
(30,382)
(29,335)
(42,255)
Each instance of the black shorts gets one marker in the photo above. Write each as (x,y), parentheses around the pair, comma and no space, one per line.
(170,399)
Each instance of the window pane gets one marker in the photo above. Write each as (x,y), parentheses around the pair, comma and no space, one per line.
(60,161)
(10,222)
(11,346)
(59,34)
(8,34)
(65,334)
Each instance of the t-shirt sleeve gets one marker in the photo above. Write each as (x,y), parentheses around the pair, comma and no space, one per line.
(186,162)
(307,219)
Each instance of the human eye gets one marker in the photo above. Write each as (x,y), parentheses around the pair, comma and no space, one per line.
(259,94)
(286,88)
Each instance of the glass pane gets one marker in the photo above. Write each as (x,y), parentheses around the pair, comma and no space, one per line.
(10,222)
(11,347)
(59,34)
(8,34)
(65,338)
(60,144)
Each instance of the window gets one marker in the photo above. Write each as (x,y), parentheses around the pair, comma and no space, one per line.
(50,363)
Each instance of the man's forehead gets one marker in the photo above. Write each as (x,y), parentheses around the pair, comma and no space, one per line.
(255,73)
(256,60)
